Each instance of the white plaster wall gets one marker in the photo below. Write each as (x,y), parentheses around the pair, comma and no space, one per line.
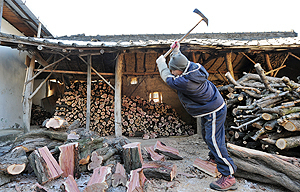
(12,74)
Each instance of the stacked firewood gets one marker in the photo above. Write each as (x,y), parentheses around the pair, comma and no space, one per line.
(263,112)
(140,117)
(38,115)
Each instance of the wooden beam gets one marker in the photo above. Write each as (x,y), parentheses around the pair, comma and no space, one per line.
(1,12)
(27,104)
(39,87)
(74,72)
(98,73)
(282,64)
(118,95)
(269,64)
(248,58)
(275,70)
(88,93)
(294,56)
(229,63)
(47,66)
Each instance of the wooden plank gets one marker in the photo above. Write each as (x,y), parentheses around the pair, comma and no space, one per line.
(207,167)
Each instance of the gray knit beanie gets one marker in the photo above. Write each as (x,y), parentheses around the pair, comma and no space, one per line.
(178,62)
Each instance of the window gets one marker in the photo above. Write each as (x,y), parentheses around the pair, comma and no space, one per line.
(156,97)
(133,81)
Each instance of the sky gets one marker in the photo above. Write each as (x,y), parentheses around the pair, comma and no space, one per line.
(116,17)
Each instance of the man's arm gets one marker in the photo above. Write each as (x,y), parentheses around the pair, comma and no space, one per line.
(164,71)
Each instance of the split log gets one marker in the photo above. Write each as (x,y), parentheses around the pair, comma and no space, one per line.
(264,167)
(44,165)
(68,160)
(207,167)
(14,162)
(56,123)
(70,184)
(98,180)
(119,177)
(153,155)
(160,170)
(132,156)
(171,152)
(287,143)
(136,181)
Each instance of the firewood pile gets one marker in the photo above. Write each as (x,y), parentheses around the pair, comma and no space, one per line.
(263,112)
(38,115)
(140,117)
(114,163)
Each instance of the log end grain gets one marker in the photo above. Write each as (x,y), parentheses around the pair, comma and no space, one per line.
(16,169)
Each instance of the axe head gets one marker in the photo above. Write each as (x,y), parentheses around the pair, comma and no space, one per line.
(201,15)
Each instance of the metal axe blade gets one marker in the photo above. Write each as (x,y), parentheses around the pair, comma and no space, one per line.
(201,15)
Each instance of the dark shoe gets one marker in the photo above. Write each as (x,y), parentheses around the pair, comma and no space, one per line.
(224,183)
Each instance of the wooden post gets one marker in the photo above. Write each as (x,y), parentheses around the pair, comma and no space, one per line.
(27,104)
(88,92)
(1,11)
(118,96)
(229,64)
(269,64)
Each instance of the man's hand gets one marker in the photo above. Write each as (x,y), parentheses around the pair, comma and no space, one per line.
(175,46)
(161,60)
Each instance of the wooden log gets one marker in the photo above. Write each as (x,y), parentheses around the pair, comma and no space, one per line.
(98,179)
(262,75)
(247,123)
(14,162)
(136,181)
(271,168)
(268,117)
(207,167)
(291,125)
(132,156)
(119,177)
(70,184)
(287,143)
(269,125)
(160,170)
(153,155)
(231,80)
(171,152)
(68,160)
(44,165)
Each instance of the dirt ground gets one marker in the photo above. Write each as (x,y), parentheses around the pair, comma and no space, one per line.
(190,148)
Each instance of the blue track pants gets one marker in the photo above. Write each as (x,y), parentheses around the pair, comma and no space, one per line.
(213,132)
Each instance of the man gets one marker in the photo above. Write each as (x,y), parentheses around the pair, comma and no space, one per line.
(201,98)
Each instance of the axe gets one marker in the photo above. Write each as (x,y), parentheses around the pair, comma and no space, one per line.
(203,18)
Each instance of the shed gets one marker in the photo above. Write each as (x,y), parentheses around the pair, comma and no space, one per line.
(119,59)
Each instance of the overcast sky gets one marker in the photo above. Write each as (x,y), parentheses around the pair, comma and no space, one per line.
(114,17)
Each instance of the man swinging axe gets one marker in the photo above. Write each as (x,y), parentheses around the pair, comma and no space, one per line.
(201,98)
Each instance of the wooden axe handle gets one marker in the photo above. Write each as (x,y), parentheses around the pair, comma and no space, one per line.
(182,38)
